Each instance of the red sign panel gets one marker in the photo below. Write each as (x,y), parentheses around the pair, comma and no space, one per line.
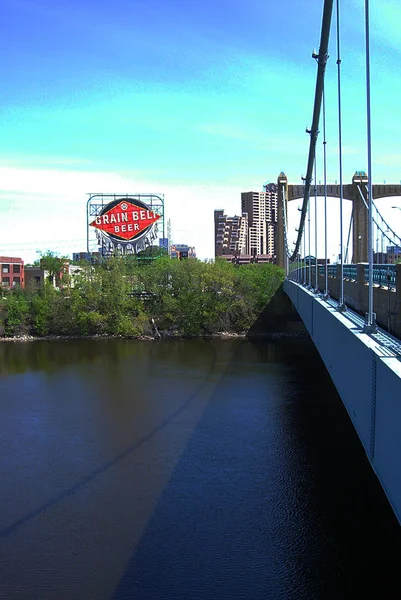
(125,220)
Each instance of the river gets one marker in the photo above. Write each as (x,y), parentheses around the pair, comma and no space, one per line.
(183,470)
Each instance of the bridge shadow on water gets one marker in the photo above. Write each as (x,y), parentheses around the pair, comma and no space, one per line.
(273,497)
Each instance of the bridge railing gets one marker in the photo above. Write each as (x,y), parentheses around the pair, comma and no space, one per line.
(383,275)
(350,272)
(386,284)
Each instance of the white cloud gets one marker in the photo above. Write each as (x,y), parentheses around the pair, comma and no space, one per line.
(46,209)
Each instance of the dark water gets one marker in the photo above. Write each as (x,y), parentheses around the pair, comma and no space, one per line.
(184,470)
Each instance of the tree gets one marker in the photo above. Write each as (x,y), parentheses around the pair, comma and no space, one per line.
(152,252)
(53,264)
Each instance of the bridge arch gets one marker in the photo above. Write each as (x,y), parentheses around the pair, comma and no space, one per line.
(357,192)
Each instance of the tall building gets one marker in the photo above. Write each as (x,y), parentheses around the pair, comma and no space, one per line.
(261,208)
(230,234)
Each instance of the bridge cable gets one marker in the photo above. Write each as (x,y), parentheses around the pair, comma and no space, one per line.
(363,197)
(309,250)
(391,240)
(370,325)
(326,271)
(316,273)
(341,305)
(304,239)
(384,233)
(386,224)
(314,131)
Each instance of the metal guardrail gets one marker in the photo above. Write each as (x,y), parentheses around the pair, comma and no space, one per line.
(350,272)
(383,275)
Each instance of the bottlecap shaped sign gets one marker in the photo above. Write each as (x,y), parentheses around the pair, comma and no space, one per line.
(125,219)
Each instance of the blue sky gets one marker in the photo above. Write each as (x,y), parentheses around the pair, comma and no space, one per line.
(198,101)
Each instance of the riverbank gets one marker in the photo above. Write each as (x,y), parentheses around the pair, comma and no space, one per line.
(183,299)
(154,338)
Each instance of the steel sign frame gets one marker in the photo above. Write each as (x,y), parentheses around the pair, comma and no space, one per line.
(109,239)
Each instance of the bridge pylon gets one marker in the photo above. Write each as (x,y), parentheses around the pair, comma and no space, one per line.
(357,192)
(360,218)
(282,195)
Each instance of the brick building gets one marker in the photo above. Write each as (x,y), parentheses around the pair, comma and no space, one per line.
(11,272)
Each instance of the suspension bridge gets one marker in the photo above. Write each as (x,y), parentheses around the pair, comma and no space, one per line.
(352,309)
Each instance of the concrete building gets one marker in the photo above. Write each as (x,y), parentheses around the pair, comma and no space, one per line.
(34,277)
(11,272)
(261,208)
(182,251)
(230,234)
(393,254)
(380,258)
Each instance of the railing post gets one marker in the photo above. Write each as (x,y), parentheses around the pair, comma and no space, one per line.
(360,279)
(338,284)
(397,312)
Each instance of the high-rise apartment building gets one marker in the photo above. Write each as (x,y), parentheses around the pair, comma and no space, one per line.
(261,208)
(230,234)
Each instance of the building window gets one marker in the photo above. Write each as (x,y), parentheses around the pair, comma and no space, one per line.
(5,269)
(16,268)
(17,281)
(5,282)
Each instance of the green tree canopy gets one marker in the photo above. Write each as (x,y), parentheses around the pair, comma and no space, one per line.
(52,263)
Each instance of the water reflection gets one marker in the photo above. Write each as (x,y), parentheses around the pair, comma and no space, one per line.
(19,357)
(182,469)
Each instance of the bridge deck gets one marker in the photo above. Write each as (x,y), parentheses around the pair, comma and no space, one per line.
(389,345)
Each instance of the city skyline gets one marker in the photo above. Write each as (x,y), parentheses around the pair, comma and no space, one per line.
(199,105)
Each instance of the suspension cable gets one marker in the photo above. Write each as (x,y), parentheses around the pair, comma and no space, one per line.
(326,270)
(305,276)
(309,248)
(384,234)
(374,221)
(341,305)
(322,61)
(386,224)
(370,325)
(395,236)
(316,274)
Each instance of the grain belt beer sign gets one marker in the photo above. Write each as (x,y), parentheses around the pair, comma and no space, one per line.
(128,224)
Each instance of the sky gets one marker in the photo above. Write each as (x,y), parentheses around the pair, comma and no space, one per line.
(196,101)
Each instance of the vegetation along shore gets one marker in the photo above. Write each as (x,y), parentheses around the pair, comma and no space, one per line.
(127,297)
